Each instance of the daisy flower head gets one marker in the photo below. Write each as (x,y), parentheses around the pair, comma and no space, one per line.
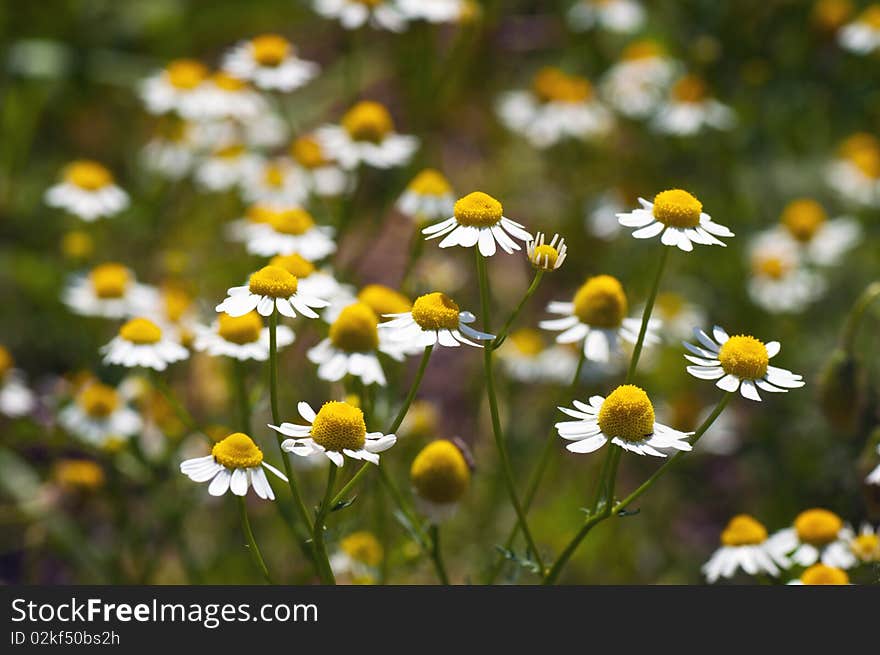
(241,337)
(779,283)
(255,216)
(87,190)
(109,290)
(440,475)
(227,166)
(173,87)
(854,549)
(821,574)
(277,181)
(823,241)
(291,230)
(310,280)
(140,342)
(678,217)
(558,106)
(810,538)
(862,36)
(435,318)
(269,289)
(744,545)
(99,415)
(352,14)
(351,347)
(855,172)
(384,302)
(366,135)
(625,418)
(546,256)
(635,85)
(270,62)
(596,317)
(874,476)
(526,359)
(739,363)
(360,554)
(16,399)
(478,220)
(337,430)
(428,197)
(223,96)
(620,16)
(690,109)
(235,463)
(323,176)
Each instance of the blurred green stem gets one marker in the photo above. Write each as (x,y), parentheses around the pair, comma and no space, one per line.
(437,555)
(252,543)
(324,569)
(502,334)
(854,320)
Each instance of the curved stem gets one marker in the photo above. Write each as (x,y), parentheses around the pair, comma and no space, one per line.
(437,556)
(324,569)
(646,315)
(502,334)
(252,543)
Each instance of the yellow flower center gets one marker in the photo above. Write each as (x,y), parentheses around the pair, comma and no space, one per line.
(354,331)
(259,214)
(601,302)
(478,209)
(78,473)
(98,400)
(227,82)
(544,256)
(6,362)
(677,208)
(88,175)
(670,304)
(232,151)
(689,89)
(627,413)
(866,547)
(362,547)
(871,17)
(272,281)
(803,218)
(821,574)
(831,14)
(237,451)
(528,341)
(422,420)
(775,268)
(186,73)
(293,221)
(297,265)
(270,49)
(867,161)
(141,331)
(430,182)
(743,530)
(176,302)
(273,175)
(339,426)
(436,311)
(644,49)
(307,152)
(817,527)
(384,300)
(554,85)
(110,280)
(240,329)
(745,357)
(368,121)
(440,473)
(77,244)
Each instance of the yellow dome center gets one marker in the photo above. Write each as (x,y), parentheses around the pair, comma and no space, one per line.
(430,182)
(186,74)
(832,14)
(867,161)
(677,208)
(544,256)
(743,530)
(78,473)
(98,400)
(601,302)
(355,330)
(436,311)
(554,85)
(478,209)
(227,82)
(272,281)
(645,49)
(231,151)
(307,152)
(259,214)
(384,300)
(628,414)
(745,357)
(362,547)
(866,547)
(775,268)
(270,49)
(237,451)
(295,221)
(6,362)
(77,244)
(528,341)
(295,264)
(689,89)
(176,301)
(110,280)
(803,218)
(88,175)
(339,426)
(368,121)
(820,574)
(440,473)
(141,331)
(273,175)
(240,329)
(817,527)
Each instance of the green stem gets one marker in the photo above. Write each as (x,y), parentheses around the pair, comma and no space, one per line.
(850,330)
(502,334)
(252,543)
(496,418)
(324,569)
(437,556)
(244,405)
(646,315)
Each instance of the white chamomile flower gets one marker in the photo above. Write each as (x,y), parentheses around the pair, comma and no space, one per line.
(739,363)
(269,61)
(169,89)
(226,167)
(323,176)
(141,342)
(433,11)
(366,135)
(779,283)
(337,430)
(16,399)
(351,347)
(689,109)
(223,96)
(679,219)
(526,359)
(428,197)
(171,153)
(809,539)
(821,574)
(440,475)
(546,256)
(434,319)
(625,418)
(269,289)
(621,16)
(352,14)
(862,36)
(874,476)
(276,181)
(853,549)
(855,172)
(558,106)
(635,85)
(823,242)
(87,190)
(478,220)
(310,280)
(235,463)
(241,337)
(99,415)
(291,230)
(359,556)
(256,215)
(111,291)
(596,317)
(384,301)
(744,545)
